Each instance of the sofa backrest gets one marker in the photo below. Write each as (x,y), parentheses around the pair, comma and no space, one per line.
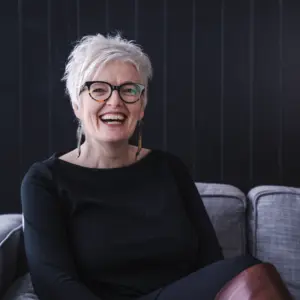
(226,206)
(265,224)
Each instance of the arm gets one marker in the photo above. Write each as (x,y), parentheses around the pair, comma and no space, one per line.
(49,259)
(209,248)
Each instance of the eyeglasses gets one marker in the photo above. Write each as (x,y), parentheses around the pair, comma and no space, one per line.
(101,91)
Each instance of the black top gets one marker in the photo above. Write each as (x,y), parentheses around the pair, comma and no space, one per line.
(113,234)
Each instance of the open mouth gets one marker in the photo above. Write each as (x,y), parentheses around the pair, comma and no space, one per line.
(111,119)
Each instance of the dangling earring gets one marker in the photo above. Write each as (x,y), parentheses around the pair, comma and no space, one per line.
(79,138)
(140,135)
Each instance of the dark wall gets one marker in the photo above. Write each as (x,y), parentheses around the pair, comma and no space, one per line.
(225,93)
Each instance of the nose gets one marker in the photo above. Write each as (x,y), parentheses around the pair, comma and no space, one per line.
(114,100)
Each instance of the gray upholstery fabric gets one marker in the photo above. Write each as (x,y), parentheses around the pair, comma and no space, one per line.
(226,207)
(10,229)
(21,289)
(274,218)
(8,222)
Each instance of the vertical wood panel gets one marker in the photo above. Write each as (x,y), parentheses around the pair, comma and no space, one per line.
(64,31)
(251,88)
(222,92)
(9,94)
(121,16)
(179,80)
(20,83)
(136,19)
(92,16)
(236,92)
(50,75)
(35,81)
(150,34)
(165,75)
(291,91)
(208,90)
(193,86)
(280,95)
(266,101)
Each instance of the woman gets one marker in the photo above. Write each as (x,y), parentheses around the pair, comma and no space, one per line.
(109,220)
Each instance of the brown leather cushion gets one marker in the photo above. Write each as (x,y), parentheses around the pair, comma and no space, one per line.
(259,282)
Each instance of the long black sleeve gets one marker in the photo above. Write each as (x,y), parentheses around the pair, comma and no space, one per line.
(49,259)
(209,249)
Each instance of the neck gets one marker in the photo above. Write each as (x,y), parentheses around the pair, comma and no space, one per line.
(108,155)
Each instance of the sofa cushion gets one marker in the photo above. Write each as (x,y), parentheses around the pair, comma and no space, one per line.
(226,207)
(21,289)
(274,219)
(10,230)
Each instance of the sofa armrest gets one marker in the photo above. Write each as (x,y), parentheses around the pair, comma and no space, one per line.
(10,234)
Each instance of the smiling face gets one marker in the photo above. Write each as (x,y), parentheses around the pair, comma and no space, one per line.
(112,120)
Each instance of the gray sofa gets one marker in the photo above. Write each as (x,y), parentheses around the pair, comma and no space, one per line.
(265,223)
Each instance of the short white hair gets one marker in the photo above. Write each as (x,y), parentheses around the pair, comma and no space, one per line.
(92,52)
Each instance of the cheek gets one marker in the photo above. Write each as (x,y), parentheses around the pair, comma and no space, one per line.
(90,119)
(91,110)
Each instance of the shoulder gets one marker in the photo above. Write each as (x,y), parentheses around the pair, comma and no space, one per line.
(173,161)
(39,172)
(38,188)
(167,156)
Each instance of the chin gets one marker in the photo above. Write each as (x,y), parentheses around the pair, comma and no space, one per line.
(113,136)
(114,139)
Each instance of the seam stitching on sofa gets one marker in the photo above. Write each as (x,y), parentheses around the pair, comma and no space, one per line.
(255,228)
(10,233)
(267,193)
(223,196)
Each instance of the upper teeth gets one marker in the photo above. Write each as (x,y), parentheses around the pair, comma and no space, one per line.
(113,117)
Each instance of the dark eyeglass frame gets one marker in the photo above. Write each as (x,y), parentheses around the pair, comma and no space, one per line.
(117,88)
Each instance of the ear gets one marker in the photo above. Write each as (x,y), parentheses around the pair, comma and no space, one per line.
(142,113)
(76,110)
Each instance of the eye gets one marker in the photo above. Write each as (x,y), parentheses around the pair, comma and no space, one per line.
(99,90)
(131,91)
